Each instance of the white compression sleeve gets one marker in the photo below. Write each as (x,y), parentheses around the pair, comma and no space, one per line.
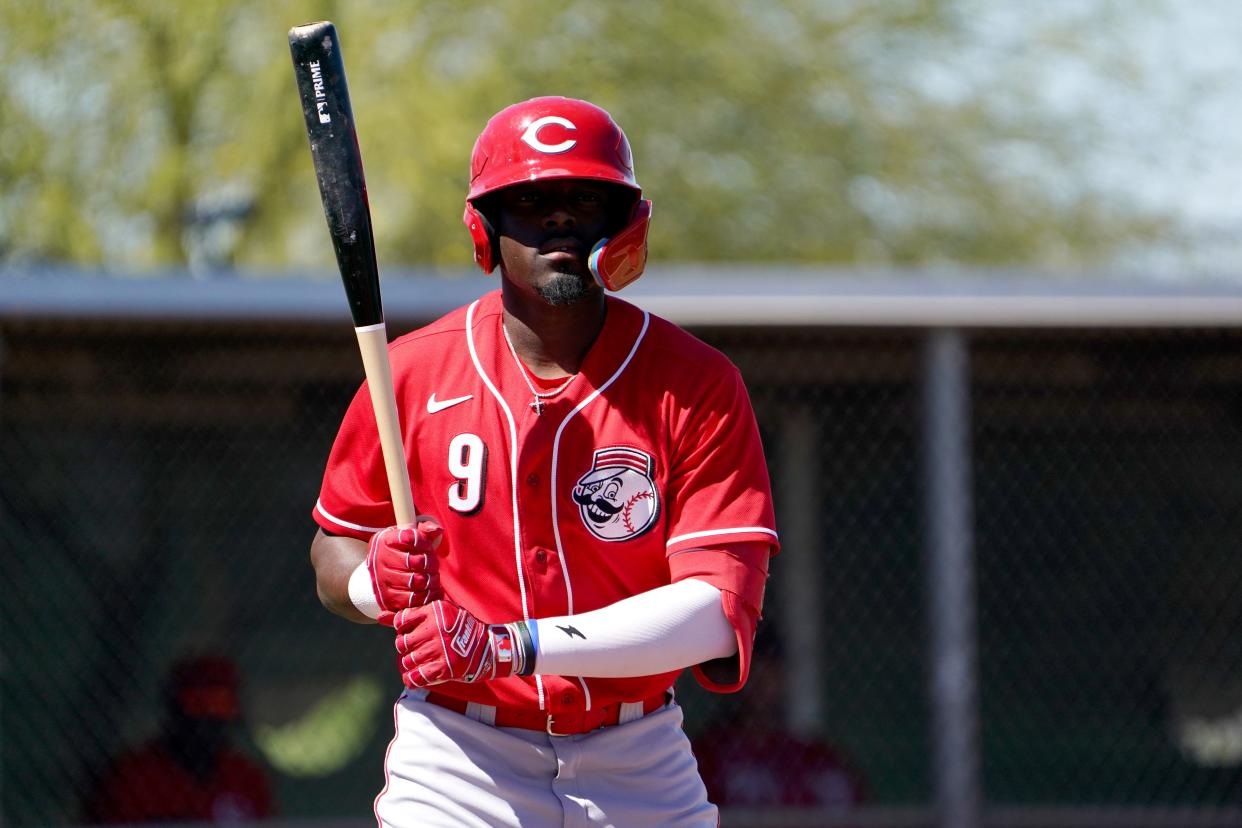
(658,631)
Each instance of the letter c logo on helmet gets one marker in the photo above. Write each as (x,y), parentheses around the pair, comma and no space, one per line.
(531,135)
(520,144)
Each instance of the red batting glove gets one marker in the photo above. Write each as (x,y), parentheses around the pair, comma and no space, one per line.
(442,642)
(404,569)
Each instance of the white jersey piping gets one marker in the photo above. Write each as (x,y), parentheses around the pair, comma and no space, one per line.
(513,486)
(513,453)
(339,522)
(556,450)
(740,530)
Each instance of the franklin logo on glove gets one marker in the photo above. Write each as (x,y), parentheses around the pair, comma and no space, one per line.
(463,642)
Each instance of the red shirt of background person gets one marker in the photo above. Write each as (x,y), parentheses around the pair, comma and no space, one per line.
(190,772)
(751,760)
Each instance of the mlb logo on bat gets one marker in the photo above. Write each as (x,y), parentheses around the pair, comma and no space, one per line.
(321,95)
(617,498)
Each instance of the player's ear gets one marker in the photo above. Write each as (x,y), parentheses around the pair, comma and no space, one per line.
(622,205)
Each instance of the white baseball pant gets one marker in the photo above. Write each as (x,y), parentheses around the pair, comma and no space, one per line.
(446,770)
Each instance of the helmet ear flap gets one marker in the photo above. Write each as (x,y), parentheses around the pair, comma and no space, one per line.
(618,261)
(483,236)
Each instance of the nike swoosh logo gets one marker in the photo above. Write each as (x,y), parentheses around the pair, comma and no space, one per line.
(434,405)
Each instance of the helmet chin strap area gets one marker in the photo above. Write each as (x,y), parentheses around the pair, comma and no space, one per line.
(618,261)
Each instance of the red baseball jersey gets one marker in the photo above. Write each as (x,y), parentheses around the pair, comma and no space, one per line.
(649,457)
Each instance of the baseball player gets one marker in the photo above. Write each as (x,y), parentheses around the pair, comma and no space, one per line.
(596,511)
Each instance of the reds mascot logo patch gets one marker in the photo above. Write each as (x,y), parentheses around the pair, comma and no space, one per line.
(617,498)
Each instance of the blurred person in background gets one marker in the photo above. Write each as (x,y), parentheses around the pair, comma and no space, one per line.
(748,757)
(190,771)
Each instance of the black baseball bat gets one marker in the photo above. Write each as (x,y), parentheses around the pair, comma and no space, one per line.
(320,72)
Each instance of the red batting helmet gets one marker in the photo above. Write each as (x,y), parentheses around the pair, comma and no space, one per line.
(206,687)
(549,138)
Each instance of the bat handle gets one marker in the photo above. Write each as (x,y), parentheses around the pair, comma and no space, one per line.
(373,342)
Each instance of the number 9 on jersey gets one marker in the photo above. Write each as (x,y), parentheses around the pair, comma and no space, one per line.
(467,461)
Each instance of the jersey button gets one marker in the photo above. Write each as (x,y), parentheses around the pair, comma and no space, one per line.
(532,479)
(541,555)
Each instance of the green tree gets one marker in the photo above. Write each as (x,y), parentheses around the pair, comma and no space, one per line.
(145,134)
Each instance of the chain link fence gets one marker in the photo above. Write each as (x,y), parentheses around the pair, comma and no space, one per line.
(158,479)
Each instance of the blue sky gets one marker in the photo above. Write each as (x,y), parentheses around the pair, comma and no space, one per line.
(1157,88)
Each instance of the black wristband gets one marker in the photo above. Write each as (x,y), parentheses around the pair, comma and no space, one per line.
(527,645)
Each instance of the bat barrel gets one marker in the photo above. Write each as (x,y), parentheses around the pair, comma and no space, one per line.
(320,72)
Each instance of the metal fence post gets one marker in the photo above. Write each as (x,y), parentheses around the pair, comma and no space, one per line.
(950,580)
(798,497)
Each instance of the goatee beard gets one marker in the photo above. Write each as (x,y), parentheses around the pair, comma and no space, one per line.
(567,289)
